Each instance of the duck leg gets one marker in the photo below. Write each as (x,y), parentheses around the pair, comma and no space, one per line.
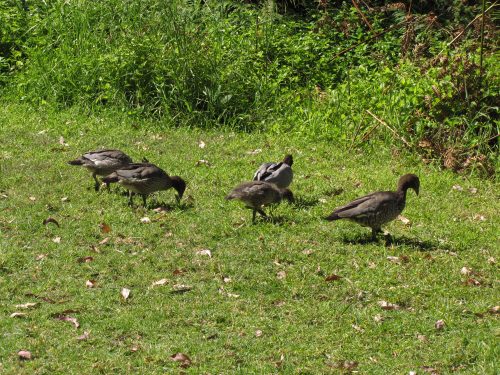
(254,211)
(97,184)
(260,211)
(144,199)
(130,198)
(375,231)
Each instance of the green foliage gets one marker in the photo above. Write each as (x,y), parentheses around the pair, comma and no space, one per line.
(314,68)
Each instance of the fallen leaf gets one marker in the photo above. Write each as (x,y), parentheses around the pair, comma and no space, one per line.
(160,282)
(86,259)
(281,275)
(177,272)
(491,260)
(145,220)
(439,325)
(430,370)
(105,228)
(32,198)
(226,279)
(205,252)
(412,373)
(307,252)
(182,358)
(90,283)
(104,241)
(27,305)
(125,293)
(66,318)
(479,217)
(350,365)
(201,144)
(333,278)
(203,162)
(134,348)
(473,282)
(83,337)
(62,142)
(372,265)
(24,354)
(18,315)
(181,288)
(56,239)
(388,306)
(473,190)
(378,318)
(404,220)
(357,328)
(457,188)
(398,260)
(422,338)
(254,152)
(50,220)
(258,333)
(64,199)
(41,256)
(494,310)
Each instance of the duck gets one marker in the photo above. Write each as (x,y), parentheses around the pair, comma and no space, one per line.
(102,163)
(144,179)
(258,194)
(280,173)
(378,208)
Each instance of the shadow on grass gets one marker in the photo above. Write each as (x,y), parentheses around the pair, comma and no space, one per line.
(389,240)
(305,202)
(161,206)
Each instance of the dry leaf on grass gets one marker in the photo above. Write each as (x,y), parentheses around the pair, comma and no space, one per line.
(90,283)
(105,228)
(201,144)
(27,305)
(18,315)
(66,318)
(32,198)
(404,220)
(258,333)
(203,162)
(181,288)
(41,256)
(62,142)
(254,152)
(56,239)
(205,252)
(145,220)
(24,354)
(281,275)
(160,282)
(50,220)
(465,271)
(184,360)
(83,337)
(86,259)
(440,324)
(388,306)
(398,260)
(125,293)
(333,277)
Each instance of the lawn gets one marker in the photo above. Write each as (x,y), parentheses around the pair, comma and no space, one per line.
(264,298)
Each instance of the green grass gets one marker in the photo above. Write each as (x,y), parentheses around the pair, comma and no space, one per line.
(308,324)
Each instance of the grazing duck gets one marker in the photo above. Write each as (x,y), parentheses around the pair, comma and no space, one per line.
(144,179)
(376,209)
(278,173)
(102,163)
(258,194)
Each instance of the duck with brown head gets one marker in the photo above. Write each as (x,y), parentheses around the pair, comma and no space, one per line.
(144,179)
(258,194)
(376,209)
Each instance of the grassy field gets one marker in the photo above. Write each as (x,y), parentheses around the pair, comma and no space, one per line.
(261,303)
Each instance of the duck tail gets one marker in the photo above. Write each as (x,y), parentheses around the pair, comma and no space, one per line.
(333,216)
(75,162)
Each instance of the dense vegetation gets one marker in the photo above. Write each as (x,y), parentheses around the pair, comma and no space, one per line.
(325,69)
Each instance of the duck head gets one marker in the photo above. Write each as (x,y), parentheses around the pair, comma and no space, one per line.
(179,185)
(409,181)
(288,160)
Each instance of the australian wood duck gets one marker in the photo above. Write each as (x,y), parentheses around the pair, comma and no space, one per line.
(102,162)
(376,209)
(258,194)
(278,173)
(144,179)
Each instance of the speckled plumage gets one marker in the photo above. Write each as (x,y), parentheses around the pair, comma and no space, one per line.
(144,179)
(102,162)
(258,194)
(280,173)
(376,209)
